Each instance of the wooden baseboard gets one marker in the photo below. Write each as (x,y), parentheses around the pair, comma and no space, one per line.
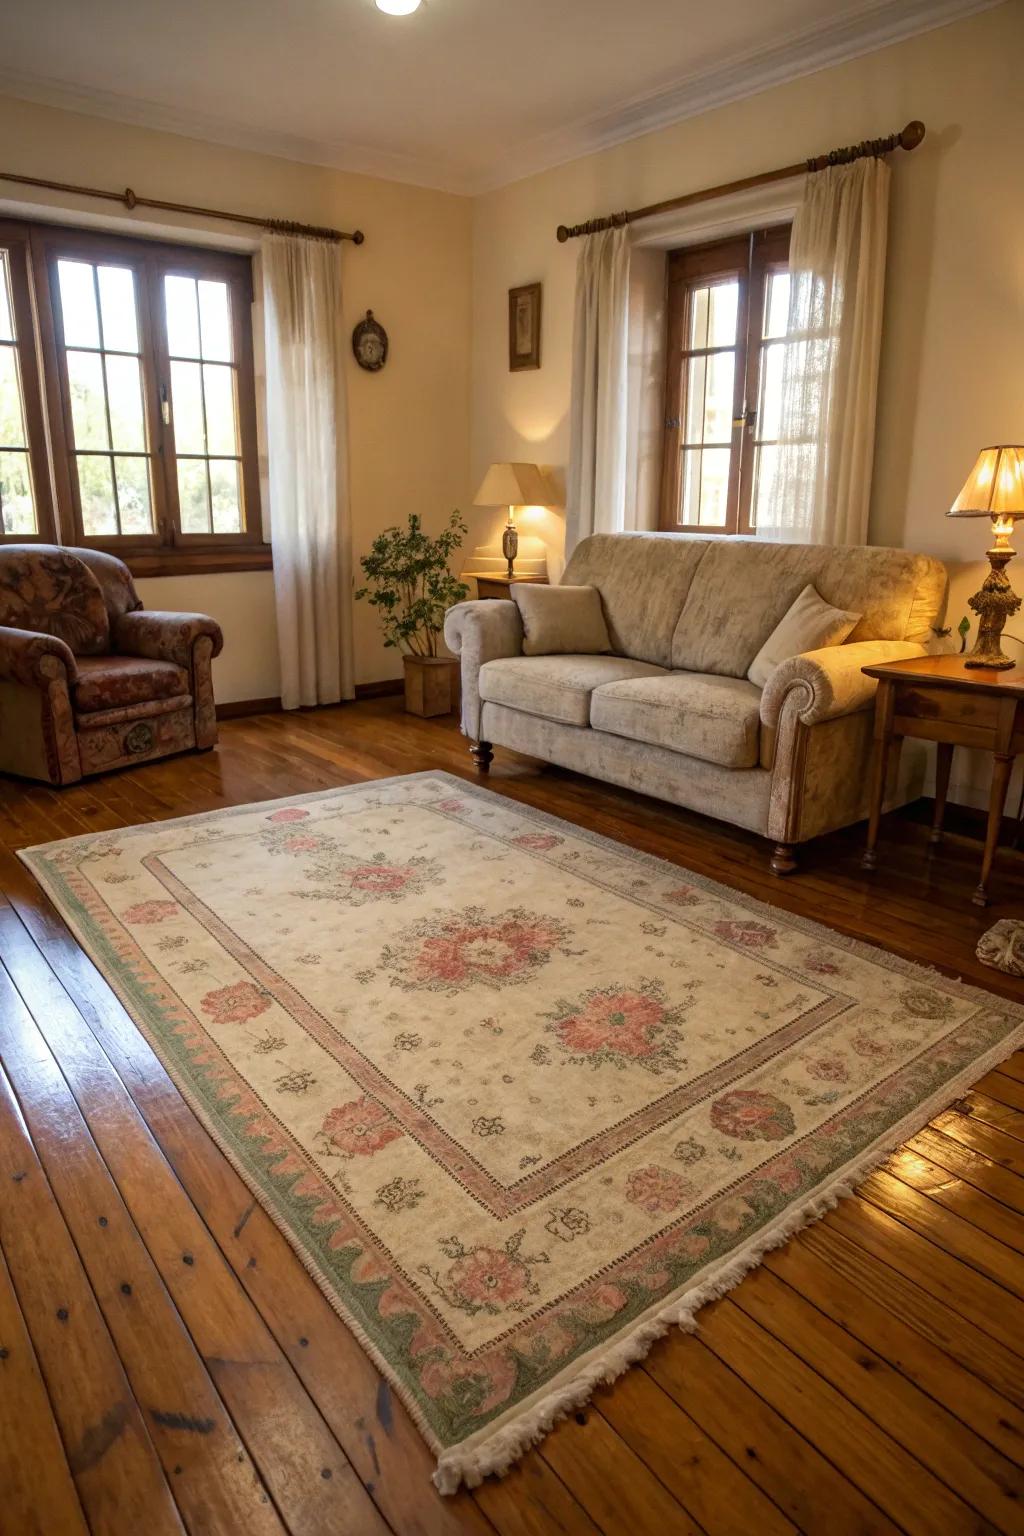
(238,709)
(384,689)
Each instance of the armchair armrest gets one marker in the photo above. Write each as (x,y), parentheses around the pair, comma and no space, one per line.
(819,685)
(164,636)
(480,632)
(33,659)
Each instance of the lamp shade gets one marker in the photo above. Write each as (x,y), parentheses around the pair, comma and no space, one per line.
(512,485)
(995,486)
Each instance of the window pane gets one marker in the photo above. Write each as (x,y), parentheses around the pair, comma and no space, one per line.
(700,305)
(227,508)
(187,400)
(133,495)
(12,416)
(769,415)
(776,304)
(124,391)
(99,512)
(16,500)
(182,316)
(193,496)
(215,318)
(766,464)
(724,306)
(6,310)
(88,400)
(705,486)
(78,304)
(117,308)
(696,378)
(718,397)
(218,381)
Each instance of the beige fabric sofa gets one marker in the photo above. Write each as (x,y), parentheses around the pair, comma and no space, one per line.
(672,713)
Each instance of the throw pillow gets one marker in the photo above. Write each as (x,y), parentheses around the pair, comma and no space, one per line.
(810,625)
(561,621)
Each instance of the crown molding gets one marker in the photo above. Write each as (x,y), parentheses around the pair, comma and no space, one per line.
(804,53)
(877,26)
(359,159)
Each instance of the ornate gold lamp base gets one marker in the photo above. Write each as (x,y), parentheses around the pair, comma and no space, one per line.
(993,603)
(510,547)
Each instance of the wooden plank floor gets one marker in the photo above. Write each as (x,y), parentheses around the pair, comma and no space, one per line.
(167,1365)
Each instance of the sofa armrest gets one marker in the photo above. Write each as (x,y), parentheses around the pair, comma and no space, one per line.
(820,685)
(33,659)
(479,632)
(164,636)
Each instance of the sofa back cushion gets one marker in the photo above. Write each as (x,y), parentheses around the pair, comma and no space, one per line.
(115,579)
(643,579)
(743,587)
(49,590)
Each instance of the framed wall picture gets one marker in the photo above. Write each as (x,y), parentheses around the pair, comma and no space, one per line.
(524,327)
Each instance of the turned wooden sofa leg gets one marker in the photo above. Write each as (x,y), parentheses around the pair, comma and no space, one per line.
(784,860)
(482,754)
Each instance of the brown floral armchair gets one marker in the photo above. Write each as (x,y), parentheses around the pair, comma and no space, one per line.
(88,679)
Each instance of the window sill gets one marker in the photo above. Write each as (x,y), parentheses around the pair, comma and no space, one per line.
(198,562)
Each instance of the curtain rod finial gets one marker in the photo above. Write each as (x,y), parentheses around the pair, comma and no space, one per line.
(358,237)
(562,233)
(912,134)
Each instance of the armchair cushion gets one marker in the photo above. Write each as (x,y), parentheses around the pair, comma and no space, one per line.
(164,636)
(52,592)
(110,682)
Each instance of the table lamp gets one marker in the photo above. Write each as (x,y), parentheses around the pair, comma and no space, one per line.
(512,485)
(995,489)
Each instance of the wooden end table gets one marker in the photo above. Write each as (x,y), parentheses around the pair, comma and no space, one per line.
(490,585)
(937,698)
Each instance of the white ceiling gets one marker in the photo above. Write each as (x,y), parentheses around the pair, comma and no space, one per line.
(464,94)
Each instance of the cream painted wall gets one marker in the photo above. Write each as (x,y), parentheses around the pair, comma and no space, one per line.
(409,425)
(951,375)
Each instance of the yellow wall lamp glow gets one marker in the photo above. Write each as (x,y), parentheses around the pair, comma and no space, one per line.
(512,486)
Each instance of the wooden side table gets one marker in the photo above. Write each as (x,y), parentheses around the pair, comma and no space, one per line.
(937,698)
(490,585)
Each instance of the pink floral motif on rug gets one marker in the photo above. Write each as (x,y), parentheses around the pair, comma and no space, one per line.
(521,1097)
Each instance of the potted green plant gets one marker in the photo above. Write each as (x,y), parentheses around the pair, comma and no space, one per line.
(409,582)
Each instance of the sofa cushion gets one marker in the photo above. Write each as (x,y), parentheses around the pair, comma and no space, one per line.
(742,588)
(557,687)
(561,621)
(108,682)
(643,579)
(51,591)
(810,624)
(714,718)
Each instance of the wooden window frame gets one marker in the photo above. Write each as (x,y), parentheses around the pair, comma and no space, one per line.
(748,258)
(14,239)
(167,550)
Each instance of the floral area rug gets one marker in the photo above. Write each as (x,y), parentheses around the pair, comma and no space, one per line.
(519,1096)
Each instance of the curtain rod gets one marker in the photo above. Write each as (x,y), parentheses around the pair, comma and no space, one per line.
(909,138)
(130,200)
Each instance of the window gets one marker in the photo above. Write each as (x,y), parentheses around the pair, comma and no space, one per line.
(146,369)
(727,311)
(25,500)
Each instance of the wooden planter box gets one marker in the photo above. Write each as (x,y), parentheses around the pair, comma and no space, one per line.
(431,685)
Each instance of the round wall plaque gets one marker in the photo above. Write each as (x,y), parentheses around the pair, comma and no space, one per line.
(370,344)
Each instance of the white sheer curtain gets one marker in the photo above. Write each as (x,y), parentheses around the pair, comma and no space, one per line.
(307,444)
(596,481)
(816,485)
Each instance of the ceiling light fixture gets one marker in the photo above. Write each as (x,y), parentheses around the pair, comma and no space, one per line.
(398,7)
